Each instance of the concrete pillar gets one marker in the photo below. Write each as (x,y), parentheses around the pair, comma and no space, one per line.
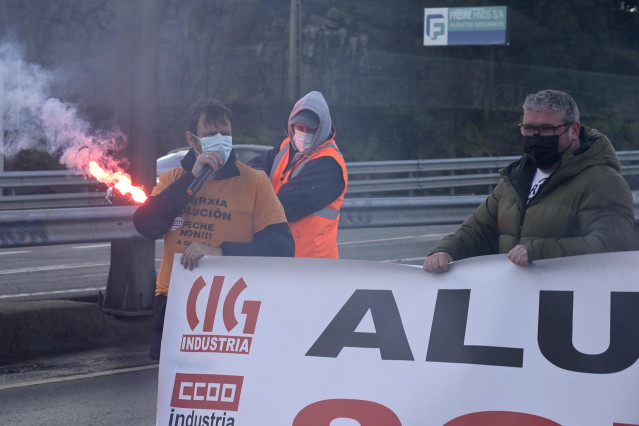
(1,128)
(131,283)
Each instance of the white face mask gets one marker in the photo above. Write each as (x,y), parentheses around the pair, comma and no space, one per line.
(302,140)
(218,142)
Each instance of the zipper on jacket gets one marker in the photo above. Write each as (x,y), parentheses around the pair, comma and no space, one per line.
(521,224)
(523,205)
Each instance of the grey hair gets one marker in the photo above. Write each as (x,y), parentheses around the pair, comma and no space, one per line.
(553,100)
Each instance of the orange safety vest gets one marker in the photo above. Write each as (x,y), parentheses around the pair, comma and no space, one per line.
(316,234)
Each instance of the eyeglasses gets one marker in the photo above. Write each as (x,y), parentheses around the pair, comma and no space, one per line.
(545,130)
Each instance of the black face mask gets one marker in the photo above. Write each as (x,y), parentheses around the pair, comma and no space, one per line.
(543,150)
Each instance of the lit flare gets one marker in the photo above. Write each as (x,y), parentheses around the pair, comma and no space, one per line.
(119,180)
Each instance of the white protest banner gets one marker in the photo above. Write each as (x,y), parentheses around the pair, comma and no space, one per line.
(320,342)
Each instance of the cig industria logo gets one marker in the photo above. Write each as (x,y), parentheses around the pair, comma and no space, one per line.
(203,324)
(436,26)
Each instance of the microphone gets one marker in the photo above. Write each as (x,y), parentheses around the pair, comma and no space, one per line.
(199,180)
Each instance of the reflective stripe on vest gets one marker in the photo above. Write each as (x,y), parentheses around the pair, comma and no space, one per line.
(277,160)
(327,213)
(305,160)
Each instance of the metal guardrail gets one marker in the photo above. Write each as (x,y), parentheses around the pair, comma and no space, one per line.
(437,182)
(52,223)
(450,164)
(43,178)
(417,183)
(49,189)
(66,225)
(407,211)
(98,224)
(39,201)
(23,190)
(424,175)
(441,164)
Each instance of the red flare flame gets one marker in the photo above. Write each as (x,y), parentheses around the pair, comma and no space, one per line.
(119,180)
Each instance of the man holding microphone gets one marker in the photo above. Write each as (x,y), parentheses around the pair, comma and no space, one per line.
(211,206)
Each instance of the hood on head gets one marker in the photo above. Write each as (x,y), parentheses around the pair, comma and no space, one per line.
(314,102)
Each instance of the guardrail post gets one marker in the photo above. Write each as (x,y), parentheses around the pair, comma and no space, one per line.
(1,129)
(451,190)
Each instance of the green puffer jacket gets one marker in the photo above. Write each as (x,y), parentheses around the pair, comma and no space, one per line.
(583,207)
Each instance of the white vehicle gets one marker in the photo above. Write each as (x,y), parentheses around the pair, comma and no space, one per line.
(172,159)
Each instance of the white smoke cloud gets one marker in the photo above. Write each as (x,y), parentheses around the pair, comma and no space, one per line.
(33,119)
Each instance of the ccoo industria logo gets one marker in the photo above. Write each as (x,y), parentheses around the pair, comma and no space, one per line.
(208,335)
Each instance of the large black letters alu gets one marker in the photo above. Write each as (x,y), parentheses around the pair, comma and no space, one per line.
(447,335)
(555,333)
(389,337)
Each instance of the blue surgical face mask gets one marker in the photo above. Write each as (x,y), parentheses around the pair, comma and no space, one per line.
(218,142)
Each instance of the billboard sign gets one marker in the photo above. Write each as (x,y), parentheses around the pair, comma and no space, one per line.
(446,26)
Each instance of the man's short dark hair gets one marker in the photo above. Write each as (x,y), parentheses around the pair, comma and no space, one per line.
(214,112)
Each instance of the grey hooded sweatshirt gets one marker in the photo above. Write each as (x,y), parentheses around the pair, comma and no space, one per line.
(314,102)
(320,181)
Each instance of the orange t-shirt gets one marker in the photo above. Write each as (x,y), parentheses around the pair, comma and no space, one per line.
(231,209)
